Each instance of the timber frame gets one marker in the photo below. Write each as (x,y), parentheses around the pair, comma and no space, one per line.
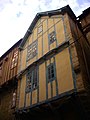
(9,55)
(47,13)
(63,97)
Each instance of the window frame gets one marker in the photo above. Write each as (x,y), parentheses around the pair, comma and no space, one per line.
(50,37)
(33,81)
(1,65)
(14,95)
(31,53)
(40,28)
(49,72)
(14,61)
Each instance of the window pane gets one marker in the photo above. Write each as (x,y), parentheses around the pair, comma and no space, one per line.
(52,71)
(52,75)
(34,78)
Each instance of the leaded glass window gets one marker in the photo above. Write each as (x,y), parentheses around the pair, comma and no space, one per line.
(40,28)
(52,37)
(14,59)
(32,50)
(0,69)
(51,72)
(31,80)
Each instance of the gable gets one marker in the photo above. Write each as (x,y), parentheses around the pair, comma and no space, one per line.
(46,33)
(45,15)
(43,25)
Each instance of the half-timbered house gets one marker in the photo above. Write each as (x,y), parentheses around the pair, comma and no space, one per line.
(8,82)
(53,72)
(84,20)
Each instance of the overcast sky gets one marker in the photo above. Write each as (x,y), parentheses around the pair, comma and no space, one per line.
(17,15)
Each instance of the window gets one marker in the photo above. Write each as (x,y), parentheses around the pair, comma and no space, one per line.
(0,69)
(14,59)
(13,100)
(34,85)
(32,50)
(51,72)
(40,29)
(31,80)
(52,37)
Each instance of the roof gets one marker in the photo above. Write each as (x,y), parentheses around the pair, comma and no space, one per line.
(62,10)
(8,51)
(84,13)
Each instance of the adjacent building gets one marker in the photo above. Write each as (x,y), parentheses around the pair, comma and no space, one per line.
(84,20)
(8,82)
(53,75)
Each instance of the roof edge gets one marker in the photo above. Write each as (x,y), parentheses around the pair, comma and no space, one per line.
(84,13)
(47,13)
(8,51)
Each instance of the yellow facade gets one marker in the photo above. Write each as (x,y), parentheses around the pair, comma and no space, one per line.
(48,25)
(63,83)
(64,78)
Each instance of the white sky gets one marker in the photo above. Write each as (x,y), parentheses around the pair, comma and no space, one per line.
(17,15)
